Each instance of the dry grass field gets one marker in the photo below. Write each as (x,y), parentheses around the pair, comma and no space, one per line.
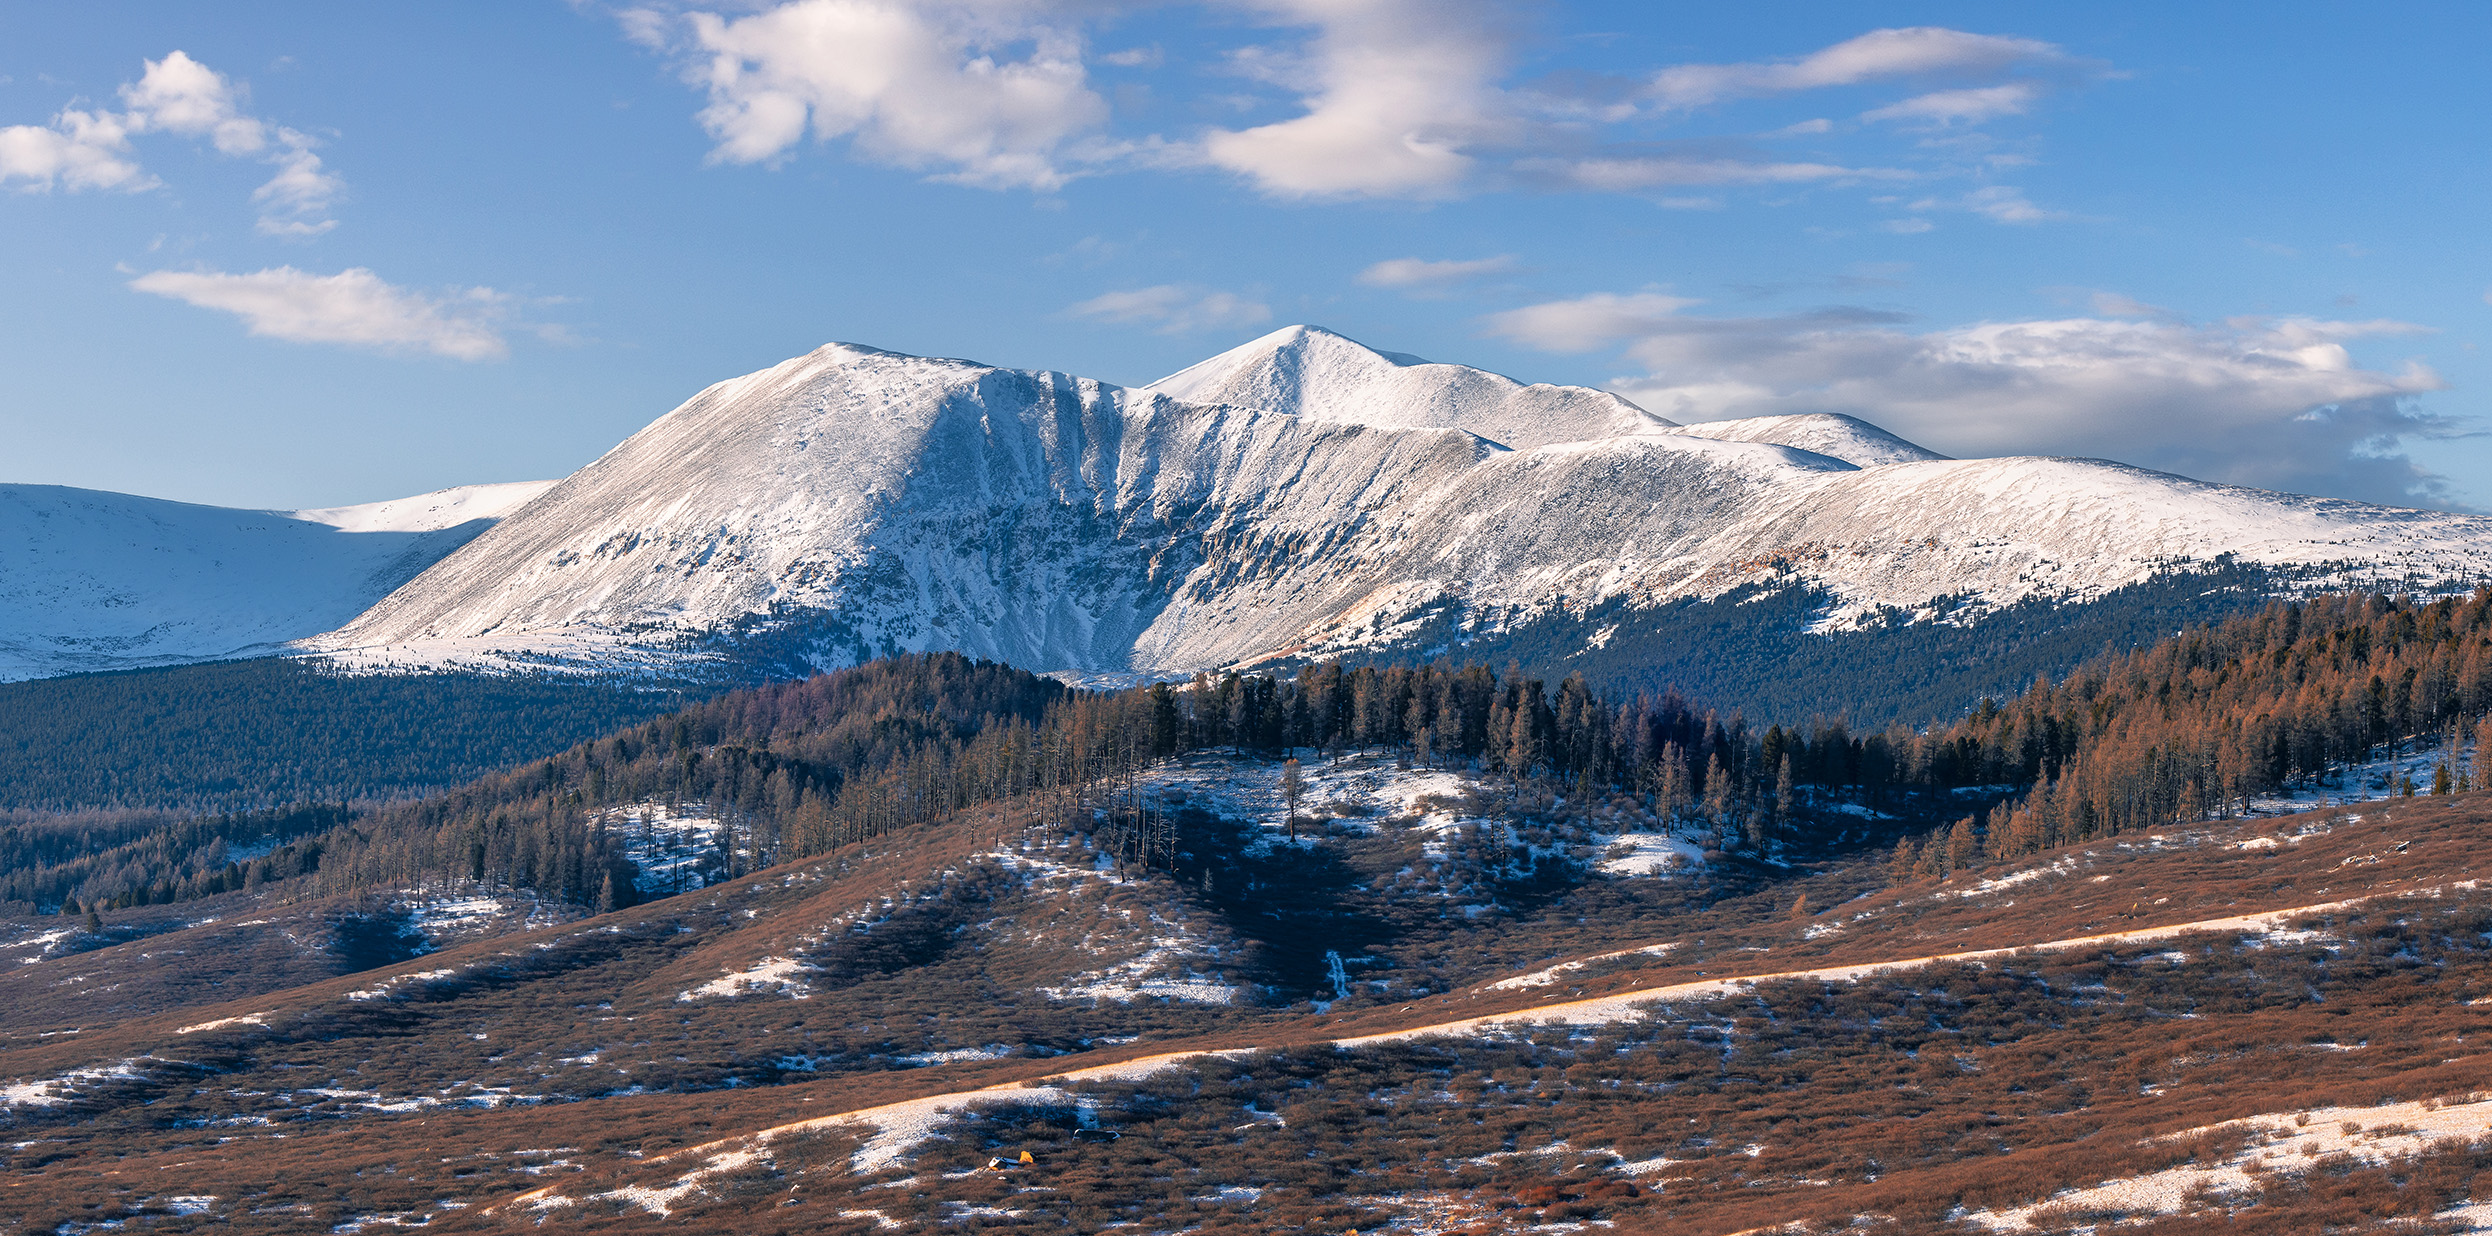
(1426,1017)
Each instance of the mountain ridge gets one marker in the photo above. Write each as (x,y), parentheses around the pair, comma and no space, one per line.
(1298,496)
(93,580)
(854,502)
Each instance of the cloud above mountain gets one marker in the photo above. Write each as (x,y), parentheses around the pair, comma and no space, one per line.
(1367,99)
(353,307)
(2279,403)
(1174,309)
(916,86)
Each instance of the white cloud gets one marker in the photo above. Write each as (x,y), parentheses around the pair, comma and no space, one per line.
(918,86)
(1403,94)
(1420,275)
(1880,54)
(1380,99)
(1174,309)
(353,307)
(1997,203)
(1630,175)
(1968,106)
(1589,322)
(296,200)
(1907,227)
(181,96)
(2278,403)
(78,150)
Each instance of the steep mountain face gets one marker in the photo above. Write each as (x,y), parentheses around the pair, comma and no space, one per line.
(895,502)
(97,581)
(853,502)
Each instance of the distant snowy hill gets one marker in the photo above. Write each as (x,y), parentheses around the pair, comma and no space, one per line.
(96,581)
(1299,495)
(1848,438)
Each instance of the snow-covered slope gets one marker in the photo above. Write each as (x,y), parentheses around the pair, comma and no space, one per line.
(1311,372)
(93,581)
(900,502)
(852,502)
(432,512)
(1848,438)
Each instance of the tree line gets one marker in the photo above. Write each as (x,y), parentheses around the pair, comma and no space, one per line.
(2192,727)
(2201,724)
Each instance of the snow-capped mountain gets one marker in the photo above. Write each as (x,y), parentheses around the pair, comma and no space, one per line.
(1297,495)
(93,581)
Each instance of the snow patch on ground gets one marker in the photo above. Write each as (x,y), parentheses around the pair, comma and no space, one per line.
(678,846)
(780,974)
(1644,854)
(43,943)
(247,1019)
(993,1051)
(2287,1142)
(55,1091)
(1129,982)
(2373,781)
(448,918)
(1359,787)
(1542,978)
(1986,887)
(382,989)
(1165,953)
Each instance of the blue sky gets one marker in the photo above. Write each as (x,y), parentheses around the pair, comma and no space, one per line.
(328,254)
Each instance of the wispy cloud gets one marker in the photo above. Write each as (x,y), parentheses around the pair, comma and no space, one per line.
(1586,323)
(354,307)
(1173,309)
(1997,203)
(1918,51)
(1961,106)
(1419,276)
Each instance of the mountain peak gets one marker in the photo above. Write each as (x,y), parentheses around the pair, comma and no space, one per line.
(1322,375)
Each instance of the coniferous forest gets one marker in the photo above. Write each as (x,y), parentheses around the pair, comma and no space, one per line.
(2192,727)
(252,735)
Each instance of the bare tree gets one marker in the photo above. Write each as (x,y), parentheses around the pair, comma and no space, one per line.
(1293,787)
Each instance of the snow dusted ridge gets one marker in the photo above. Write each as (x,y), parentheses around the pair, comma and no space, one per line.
(1298,495)
(1311,372)
(1848,438)
(98,581)
(432,512)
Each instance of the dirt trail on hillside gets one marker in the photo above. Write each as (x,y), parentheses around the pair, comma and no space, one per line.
(899,1126)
